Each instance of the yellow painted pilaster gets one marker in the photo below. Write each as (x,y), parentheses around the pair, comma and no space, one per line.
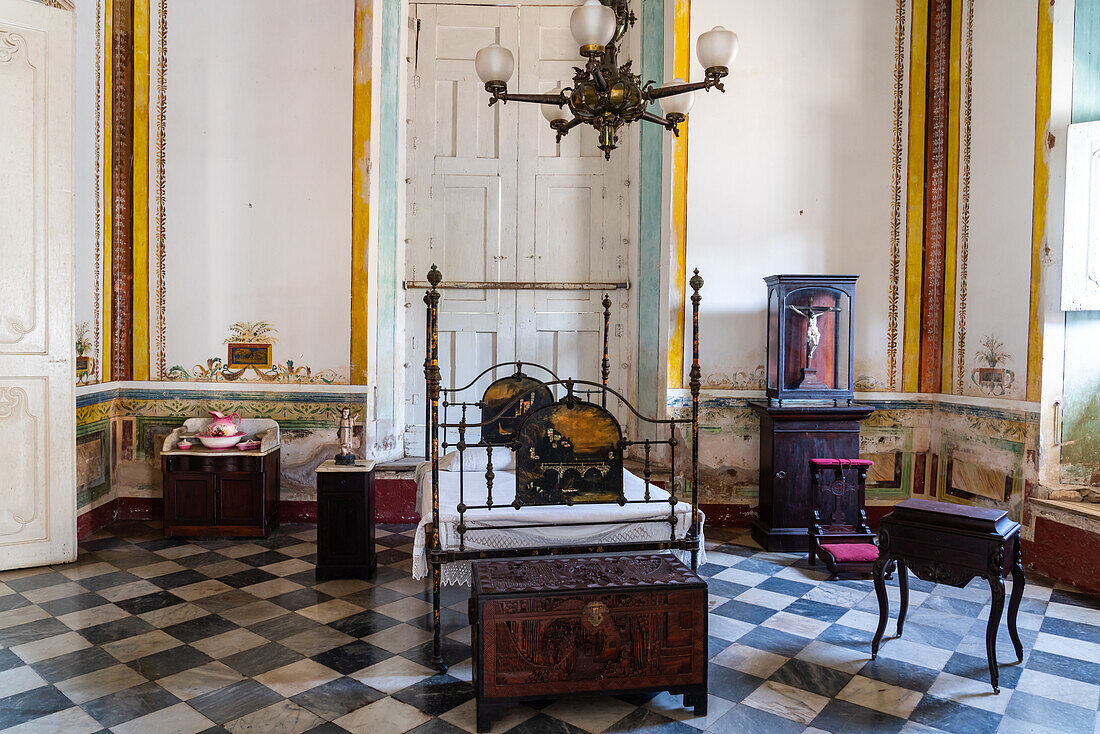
(678,244)
(914,250)
(140,187)
(952,231)
(360,190)
(1044,54)
(108,188)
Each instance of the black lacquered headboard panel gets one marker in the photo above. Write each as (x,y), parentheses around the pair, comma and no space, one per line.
(505,404)
(570,452)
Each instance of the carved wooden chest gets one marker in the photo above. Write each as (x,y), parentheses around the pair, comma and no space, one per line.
(546,628)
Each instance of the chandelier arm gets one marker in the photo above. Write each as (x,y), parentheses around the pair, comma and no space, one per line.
(657,120)
(563,128)
(554,99)
(652,94)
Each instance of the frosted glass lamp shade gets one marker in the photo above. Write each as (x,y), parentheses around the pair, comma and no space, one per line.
(717,48)
(678,104)
(552,112)
(592,24)
(494,64)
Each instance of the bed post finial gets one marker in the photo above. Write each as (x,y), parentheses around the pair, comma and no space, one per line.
(605,365)
(695,383)
(432,378)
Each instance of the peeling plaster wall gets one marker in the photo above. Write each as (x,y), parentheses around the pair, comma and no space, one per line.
(943,448)
(130,423)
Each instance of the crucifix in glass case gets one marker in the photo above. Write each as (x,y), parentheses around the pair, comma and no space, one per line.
(813,338)
(810,337)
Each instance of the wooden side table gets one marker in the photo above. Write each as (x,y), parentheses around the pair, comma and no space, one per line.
(345,520)
(951,544)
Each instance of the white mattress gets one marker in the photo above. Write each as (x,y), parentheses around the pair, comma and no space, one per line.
(504,491)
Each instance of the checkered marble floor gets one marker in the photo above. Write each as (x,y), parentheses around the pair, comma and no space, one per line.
(149,635)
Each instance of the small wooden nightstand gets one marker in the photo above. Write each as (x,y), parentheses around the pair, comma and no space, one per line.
(345,520)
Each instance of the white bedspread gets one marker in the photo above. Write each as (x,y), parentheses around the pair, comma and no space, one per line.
(504,491)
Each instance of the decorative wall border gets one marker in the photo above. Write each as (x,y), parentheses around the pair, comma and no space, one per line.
(896,194)
(97,284)
(934,240)
(951,229)
(106,159)
(964,226)
(162,112)
(122,199)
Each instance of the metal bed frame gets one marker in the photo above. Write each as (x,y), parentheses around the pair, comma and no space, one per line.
(576,392)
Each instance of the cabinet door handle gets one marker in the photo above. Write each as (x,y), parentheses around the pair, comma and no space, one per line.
(781,475)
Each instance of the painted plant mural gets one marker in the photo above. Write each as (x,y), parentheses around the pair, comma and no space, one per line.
(991,376)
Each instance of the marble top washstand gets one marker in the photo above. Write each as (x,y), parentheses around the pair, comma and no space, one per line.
(265,430)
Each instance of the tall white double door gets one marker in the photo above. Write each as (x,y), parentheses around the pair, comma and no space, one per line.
(492,197)
(37,409)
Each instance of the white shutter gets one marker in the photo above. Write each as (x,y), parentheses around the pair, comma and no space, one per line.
(1081,241)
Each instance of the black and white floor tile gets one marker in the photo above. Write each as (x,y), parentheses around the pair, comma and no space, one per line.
(150,636)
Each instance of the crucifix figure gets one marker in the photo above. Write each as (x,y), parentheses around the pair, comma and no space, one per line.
(813,334)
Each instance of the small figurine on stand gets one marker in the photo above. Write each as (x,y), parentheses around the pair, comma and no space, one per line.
(345,428)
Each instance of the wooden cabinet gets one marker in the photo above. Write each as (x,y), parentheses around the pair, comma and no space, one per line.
(345,520)
(221,495)
(791,435)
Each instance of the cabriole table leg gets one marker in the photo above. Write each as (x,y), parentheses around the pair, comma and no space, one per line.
(883,602)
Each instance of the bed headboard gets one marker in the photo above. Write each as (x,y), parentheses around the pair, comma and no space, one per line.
(505,403)
(569,452)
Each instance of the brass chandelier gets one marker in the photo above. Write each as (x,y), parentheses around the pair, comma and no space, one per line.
(604,94)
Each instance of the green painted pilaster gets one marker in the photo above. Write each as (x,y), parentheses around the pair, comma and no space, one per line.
(387,281)
(651,177)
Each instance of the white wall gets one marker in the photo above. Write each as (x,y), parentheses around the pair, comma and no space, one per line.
(790,171)
(259,158)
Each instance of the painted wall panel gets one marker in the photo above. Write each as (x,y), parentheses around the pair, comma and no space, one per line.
(259,134)
(791,171)
(996,208)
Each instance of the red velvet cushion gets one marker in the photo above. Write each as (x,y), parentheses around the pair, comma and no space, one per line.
(852,552)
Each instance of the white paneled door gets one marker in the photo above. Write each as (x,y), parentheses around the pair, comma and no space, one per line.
(493,197)
(37,410)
